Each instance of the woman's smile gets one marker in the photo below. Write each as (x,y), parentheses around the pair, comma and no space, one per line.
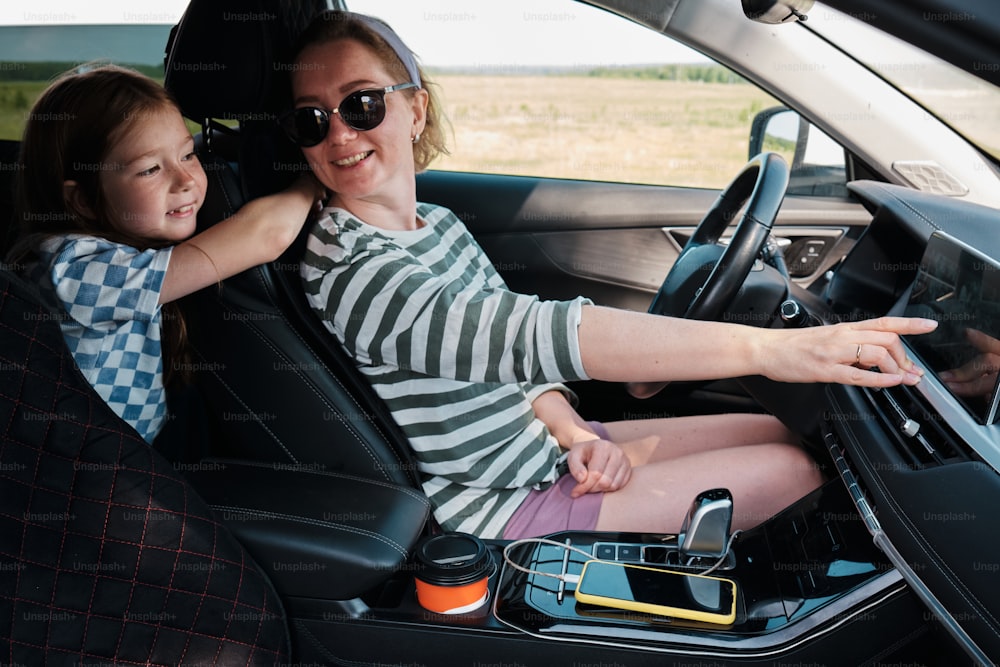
(352,160)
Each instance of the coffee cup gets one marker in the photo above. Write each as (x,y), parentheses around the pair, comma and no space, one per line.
(452,572)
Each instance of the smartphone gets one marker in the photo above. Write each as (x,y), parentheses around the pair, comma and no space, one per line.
(657,591)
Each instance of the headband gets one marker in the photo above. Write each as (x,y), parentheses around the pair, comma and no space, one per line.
(382,29)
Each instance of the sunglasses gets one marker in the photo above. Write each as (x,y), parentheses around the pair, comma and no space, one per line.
(362,110)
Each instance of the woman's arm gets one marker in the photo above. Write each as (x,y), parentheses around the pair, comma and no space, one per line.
(390,309)
(563,422)
(627,346)
(257,233)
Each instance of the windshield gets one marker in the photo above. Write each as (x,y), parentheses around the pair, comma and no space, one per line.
(968,104)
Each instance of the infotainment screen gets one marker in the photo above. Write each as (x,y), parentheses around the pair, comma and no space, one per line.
(960,288)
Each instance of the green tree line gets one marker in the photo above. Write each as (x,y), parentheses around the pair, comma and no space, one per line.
(677,72)
(708,73)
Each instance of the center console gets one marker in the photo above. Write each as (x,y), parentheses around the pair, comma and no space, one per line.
(801,574)
(811,586)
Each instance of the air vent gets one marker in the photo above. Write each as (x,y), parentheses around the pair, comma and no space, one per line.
(921,435)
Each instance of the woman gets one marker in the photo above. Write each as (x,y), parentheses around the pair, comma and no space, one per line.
(471,370)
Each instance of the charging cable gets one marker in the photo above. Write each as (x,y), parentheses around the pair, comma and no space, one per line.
(575,578)
(565,578)
(725,554)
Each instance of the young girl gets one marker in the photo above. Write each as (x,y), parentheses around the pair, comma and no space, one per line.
(108,197)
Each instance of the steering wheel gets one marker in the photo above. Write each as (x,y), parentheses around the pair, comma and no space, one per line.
(707,275)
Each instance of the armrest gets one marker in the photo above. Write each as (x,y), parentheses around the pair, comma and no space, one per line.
(316,534)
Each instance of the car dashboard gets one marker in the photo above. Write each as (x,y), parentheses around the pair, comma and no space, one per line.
(921,462)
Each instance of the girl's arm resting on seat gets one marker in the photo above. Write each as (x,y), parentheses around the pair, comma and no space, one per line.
(257,233)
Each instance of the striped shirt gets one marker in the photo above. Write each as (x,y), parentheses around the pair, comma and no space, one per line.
(457,357)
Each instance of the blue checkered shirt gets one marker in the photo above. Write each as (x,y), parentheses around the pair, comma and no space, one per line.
(110,294)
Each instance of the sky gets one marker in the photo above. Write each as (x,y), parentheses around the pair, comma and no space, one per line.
(13,12)
(501,32)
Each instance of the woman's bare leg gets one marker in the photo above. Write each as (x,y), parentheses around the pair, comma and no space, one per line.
(676,459)
(650,440)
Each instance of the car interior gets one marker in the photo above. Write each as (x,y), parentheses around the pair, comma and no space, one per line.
(281,508)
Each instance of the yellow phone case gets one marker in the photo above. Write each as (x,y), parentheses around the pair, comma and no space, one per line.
(724,617)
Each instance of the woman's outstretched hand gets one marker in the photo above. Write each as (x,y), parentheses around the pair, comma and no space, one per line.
(622,346)
(844,353)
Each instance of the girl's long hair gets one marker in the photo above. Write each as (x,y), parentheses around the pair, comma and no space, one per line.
(69,134)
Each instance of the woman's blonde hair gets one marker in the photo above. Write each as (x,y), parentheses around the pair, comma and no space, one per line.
(331,26)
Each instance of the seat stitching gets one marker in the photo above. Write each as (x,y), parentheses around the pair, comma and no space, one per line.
(357,436)
(912,209)
(387,485)
(313,522)
(242,403)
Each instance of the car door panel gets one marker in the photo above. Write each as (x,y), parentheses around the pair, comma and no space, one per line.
(612,242)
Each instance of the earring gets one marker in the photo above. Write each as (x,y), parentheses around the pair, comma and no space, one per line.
(416,137)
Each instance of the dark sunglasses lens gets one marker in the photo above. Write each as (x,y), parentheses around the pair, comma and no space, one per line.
(363,110)
(307,126)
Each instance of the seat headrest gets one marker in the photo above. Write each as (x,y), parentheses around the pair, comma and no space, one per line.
(225,58)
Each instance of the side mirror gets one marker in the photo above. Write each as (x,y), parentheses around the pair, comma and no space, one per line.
(817,163)
(776,11)
(779,130)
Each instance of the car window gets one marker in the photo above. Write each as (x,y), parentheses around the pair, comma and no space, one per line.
(555,88)
(547,88)
(32,55)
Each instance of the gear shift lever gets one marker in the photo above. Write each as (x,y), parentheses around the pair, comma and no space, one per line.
(705,532)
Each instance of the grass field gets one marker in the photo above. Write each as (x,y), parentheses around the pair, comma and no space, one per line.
(16,98)
(630,130)
(641,131)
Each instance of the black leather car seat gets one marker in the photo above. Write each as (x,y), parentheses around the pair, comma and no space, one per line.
(280,387)
(107,555)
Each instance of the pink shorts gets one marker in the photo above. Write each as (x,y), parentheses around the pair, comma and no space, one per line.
(553,510)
